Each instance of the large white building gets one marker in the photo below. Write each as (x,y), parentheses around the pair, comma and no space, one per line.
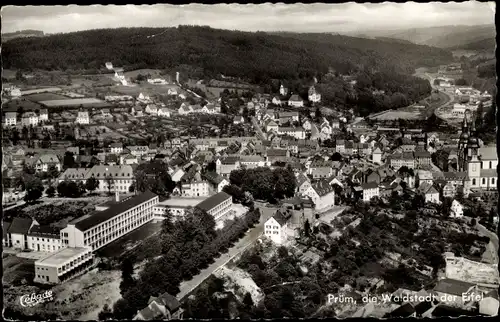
(63,265)
(115,219)
(10,118)
(111,178)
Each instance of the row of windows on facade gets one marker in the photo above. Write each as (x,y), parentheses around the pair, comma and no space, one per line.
(99,239)
(73,263)
(119,218)
(271,227)
(54,247)
(483,181)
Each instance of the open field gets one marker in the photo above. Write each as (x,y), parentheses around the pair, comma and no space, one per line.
(45,97)
(87,102)
(145,88)
(155,73)
(395,115)
(104,132)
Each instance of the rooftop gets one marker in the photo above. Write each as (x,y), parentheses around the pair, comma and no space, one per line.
(62,256)
(86,222)
(213,201)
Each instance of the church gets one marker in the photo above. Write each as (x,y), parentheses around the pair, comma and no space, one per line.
(480,163)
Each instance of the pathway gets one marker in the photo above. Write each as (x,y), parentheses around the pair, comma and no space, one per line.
(187,287)
(491,253)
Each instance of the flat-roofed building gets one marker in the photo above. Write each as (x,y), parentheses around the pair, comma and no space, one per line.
(63,265)
(218,205)
(177,206)
(100,228)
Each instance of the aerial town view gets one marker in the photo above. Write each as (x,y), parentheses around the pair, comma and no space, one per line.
(260,161)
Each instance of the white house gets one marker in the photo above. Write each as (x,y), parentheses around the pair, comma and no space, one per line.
(377,156)
(370,190)
(322,194)
(307,125)
(430,193)
(30,118)
(276,227)
(271,126)
(44,115)
(10,118)
(276,100)
(238,119)
(152,109)
(116,148)
(313,95)
(296,132)
(45,161)
(456,210)
(109,65)
(295,101)
(172,91)
(83,117)
(164,112)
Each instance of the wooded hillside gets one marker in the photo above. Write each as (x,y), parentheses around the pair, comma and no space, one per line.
(255,56)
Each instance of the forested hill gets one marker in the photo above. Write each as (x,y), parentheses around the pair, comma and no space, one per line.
(255,56)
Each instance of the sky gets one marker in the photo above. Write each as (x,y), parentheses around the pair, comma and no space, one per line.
(341,18)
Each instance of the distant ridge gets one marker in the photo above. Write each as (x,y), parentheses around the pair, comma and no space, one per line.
(22,34)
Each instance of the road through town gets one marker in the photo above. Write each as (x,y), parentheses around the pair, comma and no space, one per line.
(187,287)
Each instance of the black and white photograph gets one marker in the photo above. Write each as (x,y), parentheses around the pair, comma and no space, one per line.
(249,161)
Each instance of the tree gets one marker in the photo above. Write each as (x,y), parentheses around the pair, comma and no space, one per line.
(106,313)
(68,160)
(336,157)
(91,184)
(33,193)
(51,191)
(52,172)
(307,228)
(154,176)
(128,281)
(109,182)
(68,189)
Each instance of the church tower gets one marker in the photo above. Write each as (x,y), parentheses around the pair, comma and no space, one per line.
(462,144)
(473,162)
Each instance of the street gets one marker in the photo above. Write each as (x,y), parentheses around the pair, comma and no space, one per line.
(491,253)
(250,237)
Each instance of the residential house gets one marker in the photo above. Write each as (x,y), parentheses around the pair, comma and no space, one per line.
(288,117)
(45,161)
(276,100)
(322,194)
(172,91)
(163,307)
(44,239)
(307,125)
(238,119)
(377,156)
(326,128)
(16,232)
(335,124)
(151,109)
(163,112)
(216,182)
(270,125)
(82,117)
(185,109)
(313,96)
(105,112)
(456,210)
(370,190)
(424,176)
(138,150)
(277,155)
(129,159)
(303,183)
(116,148)
(44,115)
(320,169)
(422,158)
(224,166)
(340,146)
(275,228)
(399,160)
(429,192)
(296,132)
(295,101)
(29,118)
(283,90)
(252,161)
(10,118)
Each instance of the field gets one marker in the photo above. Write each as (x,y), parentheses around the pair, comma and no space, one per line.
(145,88)
(155,73)
(12,106)
(45,97)
(395,115)
(74,102)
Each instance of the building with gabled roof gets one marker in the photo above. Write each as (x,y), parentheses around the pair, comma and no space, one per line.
(163,307)
(45,161)
(430,193)
(295,101)
(322,194)
(275,228)
(370,190)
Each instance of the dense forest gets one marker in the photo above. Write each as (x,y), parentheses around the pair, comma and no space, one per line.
(256,56)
